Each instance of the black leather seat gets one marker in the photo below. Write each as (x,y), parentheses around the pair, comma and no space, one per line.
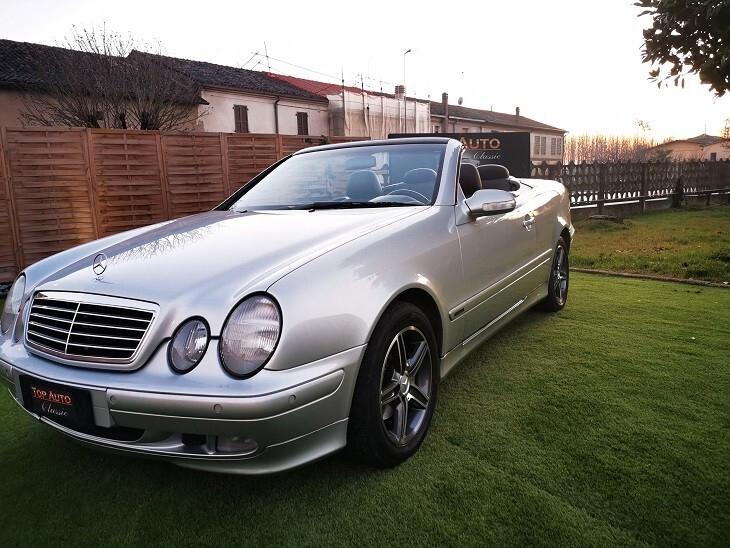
(469,179)
(363,186)
(421,180)
(495,176)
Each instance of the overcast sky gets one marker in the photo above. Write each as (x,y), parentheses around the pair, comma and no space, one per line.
(571,63)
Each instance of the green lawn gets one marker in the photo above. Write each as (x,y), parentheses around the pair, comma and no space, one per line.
(606,424)
(686,243)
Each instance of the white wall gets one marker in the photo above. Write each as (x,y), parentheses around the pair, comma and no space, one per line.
(219,113)
(376,116)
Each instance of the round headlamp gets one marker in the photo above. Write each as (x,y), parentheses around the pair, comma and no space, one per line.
(12,304)
(250,335)
(188,345)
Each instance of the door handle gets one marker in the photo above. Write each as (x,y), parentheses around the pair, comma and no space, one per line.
(529,222)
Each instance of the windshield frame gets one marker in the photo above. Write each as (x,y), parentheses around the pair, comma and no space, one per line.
(228,203)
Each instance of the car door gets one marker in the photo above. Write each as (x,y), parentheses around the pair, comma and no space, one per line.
(498,252)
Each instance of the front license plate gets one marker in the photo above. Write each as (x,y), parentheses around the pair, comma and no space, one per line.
(65,405)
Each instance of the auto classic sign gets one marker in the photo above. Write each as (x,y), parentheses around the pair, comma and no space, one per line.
(510,149)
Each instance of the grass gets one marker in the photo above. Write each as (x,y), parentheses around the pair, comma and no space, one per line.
(605,424)
(686,243)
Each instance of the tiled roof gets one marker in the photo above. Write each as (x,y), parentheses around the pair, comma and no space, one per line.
(26,66)
(313,86)
(705,140)
(324,88)
(490,117)
(221,76)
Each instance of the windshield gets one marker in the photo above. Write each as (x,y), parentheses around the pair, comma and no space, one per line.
(367,176)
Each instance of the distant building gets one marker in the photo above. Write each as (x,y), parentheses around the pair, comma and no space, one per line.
(360,112)
(546,142)
(701,147)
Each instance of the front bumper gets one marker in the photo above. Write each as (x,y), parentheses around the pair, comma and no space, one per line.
(271,422)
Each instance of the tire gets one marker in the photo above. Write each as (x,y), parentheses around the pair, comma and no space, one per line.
(559,281)
(388,418)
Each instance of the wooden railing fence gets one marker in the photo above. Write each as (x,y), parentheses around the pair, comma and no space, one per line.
(598,184)
(62,187)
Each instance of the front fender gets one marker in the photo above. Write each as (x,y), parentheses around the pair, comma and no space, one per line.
(334,302)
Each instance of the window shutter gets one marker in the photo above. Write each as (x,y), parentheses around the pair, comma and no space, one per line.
(302,123)
(537,145)
(240,114)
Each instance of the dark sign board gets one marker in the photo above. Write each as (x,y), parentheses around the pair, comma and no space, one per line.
(510,149)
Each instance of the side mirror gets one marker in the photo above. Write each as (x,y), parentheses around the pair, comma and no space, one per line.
(490,201)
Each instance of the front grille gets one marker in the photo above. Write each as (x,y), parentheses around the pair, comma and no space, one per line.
(85,330)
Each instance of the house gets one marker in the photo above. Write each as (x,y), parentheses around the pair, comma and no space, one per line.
(546,142)
(31,71)
(701,147)
(247,101)
(228,99)
(358,112)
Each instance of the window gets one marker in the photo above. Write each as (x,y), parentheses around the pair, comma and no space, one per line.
(713,156)
(240,114)
(302,123)
(437,129)
(553,146)
(348,176)
(540,145)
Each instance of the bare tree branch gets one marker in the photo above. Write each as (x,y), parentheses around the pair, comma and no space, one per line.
(99,79)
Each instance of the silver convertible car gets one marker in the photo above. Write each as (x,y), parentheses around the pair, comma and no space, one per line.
(315,309)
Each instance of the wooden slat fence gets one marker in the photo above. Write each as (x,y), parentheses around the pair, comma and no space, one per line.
(61,187)
(597,184)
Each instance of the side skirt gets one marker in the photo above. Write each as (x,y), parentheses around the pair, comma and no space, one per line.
(456,355)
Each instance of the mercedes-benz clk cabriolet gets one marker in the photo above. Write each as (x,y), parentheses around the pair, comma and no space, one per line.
(315,309)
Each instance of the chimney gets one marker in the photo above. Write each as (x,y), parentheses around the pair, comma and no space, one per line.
(445,103)
(517,115)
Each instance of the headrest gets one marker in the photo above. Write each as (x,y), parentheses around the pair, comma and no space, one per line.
(469,179)
(420,176)
(493,171)
(363,186)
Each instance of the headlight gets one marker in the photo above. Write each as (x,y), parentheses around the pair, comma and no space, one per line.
(250,335)
(188,345)
(12,304)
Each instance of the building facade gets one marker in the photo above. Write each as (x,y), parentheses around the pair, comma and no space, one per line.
(701,147)
(546,142)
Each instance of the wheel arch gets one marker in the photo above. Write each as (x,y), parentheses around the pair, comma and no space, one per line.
(425,301)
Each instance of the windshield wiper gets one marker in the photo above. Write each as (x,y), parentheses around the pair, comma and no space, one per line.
(312,206)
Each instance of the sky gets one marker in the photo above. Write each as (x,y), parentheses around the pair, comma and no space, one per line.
(575,64)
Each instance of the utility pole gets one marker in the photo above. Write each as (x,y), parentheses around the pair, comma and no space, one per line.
(405,91)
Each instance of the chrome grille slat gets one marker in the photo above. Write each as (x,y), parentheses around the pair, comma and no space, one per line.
(84,313)
(49,317)
(46,337)
(86,329)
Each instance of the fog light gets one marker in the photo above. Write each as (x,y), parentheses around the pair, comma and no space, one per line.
(236,444)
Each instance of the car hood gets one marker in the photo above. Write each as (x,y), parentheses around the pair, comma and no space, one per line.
(217,253)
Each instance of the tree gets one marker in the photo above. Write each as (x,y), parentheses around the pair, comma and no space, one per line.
(726,130)
(99,80)
(688,37)
(607,148)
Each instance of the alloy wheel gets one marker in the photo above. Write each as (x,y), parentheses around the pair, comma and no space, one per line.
(405,385)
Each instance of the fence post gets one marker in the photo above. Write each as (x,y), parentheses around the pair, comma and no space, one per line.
(88,149)
(164,183)
(643,191)
(223,137)
(12,209)
(601,187)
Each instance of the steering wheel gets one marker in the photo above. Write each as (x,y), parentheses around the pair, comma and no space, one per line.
(412,193)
